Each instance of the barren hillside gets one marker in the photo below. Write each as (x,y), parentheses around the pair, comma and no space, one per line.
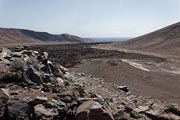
(11,36)
(165,40)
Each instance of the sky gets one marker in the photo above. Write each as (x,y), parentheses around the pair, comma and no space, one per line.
(90,18)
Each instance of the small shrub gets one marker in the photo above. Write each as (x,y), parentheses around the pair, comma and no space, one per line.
(3,70)
(33,62)
(17,64)
(113,62)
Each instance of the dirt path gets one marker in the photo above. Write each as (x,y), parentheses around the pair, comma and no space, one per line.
(164,67)
(135,64)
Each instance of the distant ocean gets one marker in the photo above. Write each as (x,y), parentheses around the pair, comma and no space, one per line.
(109,39)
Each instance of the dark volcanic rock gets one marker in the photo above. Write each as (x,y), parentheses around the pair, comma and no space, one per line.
(39,100)
(134,114)
(123,88)
(121,116)
(18,110)
(3,107)
(172,109)
(34,75)
(92,110)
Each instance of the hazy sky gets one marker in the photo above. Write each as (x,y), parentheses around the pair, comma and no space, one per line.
(90,18)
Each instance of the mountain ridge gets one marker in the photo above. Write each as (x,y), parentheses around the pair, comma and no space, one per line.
(16,35)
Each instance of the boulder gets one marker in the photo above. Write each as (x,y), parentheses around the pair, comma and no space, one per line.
(172,109)
(154,115)
(66,93)
(128,109)
(6,53)
(44,55)
(49,78)
(57,70)
(6,62)
(135,114)
(43,113)
(69,95)
(142,109)
(4,92)
(19,48)
(66,99)
(26,80)
(123,88)
(60,81)
(91,110)
(5,50)
(7,56)
(39,100)
(14,93)
(3,107)
(18,110)
(16,54)
(63,69)
(55,104)
(34,75)
(120,115)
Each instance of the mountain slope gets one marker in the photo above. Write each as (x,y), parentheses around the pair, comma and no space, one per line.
(165,40)
(10,36)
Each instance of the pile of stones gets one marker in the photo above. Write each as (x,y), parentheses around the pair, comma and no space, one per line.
(32,87)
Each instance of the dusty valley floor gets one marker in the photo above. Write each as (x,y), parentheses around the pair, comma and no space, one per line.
(144,74)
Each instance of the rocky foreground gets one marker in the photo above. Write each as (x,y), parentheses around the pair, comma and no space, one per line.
(34,88)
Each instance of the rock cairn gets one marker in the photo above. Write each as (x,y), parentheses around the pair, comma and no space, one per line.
(34,88)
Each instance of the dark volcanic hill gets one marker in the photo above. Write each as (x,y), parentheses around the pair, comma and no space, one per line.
(11,35)
(165,40)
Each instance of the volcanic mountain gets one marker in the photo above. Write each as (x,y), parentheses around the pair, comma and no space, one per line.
(165,40)
(14,36)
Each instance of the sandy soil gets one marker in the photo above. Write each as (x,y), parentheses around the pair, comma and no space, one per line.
(149,82)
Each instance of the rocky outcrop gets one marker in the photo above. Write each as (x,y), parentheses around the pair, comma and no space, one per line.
(34,88)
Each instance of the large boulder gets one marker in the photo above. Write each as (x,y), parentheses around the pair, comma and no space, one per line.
(92,110)
(34,75)
(18,110)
